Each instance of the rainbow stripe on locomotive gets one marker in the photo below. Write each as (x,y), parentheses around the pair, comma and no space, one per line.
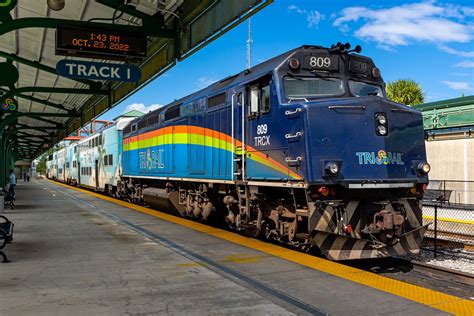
(304,148)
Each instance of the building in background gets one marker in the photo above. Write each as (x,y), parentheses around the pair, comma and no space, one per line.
(449,127)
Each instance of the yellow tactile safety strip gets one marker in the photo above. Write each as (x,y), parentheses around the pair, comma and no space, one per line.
(444,302)
(450,220)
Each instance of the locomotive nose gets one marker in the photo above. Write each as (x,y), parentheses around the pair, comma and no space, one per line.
(368,138)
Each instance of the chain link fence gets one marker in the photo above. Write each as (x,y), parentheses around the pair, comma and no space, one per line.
(451,231)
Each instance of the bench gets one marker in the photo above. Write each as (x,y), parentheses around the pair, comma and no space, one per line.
(6,235)
(440,196)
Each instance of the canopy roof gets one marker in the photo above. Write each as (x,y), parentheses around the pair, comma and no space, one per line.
(50,106)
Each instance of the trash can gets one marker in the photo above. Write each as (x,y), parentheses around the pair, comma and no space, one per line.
(2,204)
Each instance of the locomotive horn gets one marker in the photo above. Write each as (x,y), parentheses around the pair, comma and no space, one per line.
(357,49)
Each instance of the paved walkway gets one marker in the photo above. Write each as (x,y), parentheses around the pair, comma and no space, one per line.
(76,254)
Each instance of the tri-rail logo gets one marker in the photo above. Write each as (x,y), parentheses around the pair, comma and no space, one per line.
(9,105)
(381,157)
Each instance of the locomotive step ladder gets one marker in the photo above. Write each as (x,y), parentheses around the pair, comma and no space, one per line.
(238,162)
(243,194)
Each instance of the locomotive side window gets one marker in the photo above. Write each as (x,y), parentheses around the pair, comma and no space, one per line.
(265,99)
(254,96)
(260,99)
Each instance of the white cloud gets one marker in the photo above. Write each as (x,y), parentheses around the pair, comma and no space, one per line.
(203,82)
(401,25)
(452,51)
(293,8)
(313,18)
(142,107)
(458,85)
(465,64)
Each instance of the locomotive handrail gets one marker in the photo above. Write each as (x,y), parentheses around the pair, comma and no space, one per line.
(332,107)
(288,159)
(296,111)
(291,99)
(297,134)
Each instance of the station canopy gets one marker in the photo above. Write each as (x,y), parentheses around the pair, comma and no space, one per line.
(50,106)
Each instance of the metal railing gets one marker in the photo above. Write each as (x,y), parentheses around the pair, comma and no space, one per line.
(456,191)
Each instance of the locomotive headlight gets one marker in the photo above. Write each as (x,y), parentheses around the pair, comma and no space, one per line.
(382,130)
(376,72)
(294,64)
(382,119)
(424,167)
(332,168)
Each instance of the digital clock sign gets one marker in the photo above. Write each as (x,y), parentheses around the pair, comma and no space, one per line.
(103,44)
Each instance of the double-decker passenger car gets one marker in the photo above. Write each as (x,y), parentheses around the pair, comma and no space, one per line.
(304,148)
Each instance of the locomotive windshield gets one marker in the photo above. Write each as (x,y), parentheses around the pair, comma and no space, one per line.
(313,87)
(361,89)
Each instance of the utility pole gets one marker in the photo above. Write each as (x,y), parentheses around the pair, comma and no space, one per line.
(249,45)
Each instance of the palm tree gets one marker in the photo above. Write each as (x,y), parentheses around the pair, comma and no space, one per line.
(405,91)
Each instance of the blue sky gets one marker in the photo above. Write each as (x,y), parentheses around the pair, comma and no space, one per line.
(428,41)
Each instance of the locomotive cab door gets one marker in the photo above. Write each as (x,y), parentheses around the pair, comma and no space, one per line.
(265,148)
(238,133)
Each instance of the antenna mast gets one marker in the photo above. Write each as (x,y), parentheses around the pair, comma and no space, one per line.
(249,44)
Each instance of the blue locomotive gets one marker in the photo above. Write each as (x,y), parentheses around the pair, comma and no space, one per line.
(304,148)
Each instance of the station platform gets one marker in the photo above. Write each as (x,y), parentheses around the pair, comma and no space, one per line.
(78,252)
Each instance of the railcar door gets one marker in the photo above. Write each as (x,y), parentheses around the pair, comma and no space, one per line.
(79,172)
(96,174)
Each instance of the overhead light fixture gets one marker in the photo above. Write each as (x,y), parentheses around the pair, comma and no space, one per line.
(56,5)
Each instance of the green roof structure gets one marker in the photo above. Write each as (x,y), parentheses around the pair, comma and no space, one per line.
(448,114)
(132,113)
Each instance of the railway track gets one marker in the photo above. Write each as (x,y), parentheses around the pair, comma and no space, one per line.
(436,271)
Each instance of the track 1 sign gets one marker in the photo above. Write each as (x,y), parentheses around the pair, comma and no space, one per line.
(79,69)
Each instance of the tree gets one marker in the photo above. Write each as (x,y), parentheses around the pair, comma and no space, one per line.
(405,91)
(41,166)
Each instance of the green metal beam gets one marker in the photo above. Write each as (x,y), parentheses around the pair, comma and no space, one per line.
(119,5)
(29,135)
(41,128)
(17,24)
(37,100)
(39,116)
(58,126)
(55,90)
(38,65)
(46,114)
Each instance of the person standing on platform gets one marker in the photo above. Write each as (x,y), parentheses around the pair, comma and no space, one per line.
(12,181)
